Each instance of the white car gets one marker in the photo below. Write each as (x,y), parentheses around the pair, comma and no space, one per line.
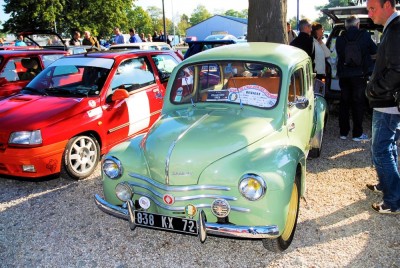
(143,46)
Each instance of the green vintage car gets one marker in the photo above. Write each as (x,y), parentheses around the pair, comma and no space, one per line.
(228,155)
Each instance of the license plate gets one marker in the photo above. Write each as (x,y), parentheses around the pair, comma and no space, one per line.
(157,221)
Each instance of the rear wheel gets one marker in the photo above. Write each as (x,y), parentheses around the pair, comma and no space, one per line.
(81,156)
(283,242)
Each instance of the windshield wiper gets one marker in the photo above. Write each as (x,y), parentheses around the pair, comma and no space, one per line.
(34,91)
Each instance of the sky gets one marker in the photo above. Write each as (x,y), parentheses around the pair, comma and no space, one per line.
(179,7)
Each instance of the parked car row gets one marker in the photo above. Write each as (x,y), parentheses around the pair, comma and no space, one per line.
(212,145)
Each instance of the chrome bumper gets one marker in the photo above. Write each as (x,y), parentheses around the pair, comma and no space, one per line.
(205,228)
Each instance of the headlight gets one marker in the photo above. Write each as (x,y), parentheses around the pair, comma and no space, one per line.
(26,137)
(252,187)
(112,167)
(123,191)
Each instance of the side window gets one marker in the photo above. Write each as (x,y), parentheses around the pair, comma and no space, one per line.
(21,69)
(133,74)
(48,59)
(296,87)
(165,64)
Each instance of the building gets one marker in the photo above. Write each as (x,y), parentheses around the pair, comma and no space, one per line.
(218,24)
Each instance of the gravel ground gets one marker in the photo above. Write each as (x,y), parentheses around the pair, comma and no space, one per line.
(55,223)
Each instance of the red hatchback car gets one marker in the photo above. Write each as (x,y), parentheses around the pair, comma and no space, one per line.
(78,108)
(18,67)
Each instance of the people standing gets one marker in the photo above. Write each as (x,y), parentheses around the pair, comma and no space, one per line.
(354,48)
(75,40)
(134,36)
(290,33)
(381,91)
(322,52)
(304,39)
(119,38)
(155,37)
(149,38)
(143,37)
(20,41)
(89,40)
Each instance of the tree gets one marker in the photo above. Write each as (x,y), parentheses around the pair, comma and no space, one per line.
(140,20)
(267,21)
(200,13)
(156,16)
(183,24)
(66,15)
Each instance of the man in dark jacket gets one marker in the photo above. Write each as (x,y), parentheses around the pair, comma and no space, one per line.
(353,76)
(383,86)
(304,40)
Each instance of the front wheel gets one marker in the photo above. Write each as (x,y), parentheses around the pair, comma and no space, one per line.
(283,242)
(81,156)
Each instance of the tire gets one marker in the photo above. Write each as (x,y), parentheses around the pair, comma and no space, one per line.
(81,156)
(285,239)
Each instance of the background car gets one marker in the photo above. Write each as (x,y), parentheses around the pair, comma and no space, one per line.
(338,16)
(18,67)
(220,37)
(228,155)
(199,46)
(77,108)
(143,45)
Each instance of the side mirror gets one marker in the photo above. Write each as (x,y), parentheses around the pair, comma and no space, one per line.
(120,94)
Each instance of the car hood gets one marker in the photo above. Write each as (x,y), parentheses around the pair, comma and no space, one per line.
(182,144)
(30,112)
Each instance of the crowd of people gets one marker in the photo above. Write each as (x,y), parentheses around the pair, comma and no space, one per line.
(118,38)
(361,80)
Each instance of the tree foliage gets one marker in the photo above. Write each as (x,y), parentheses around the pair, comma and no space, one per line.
(67,15)
(199,14)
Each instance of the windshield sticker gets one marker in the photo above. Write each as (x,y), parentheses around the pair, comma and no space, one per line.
(178,96)
(187,80)
(250,94)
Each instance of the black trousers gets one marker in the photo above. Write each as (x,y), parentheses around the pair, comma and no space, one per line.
(352,98)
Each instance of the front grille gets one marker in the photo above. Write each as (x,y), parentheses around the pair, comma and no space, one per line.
(155,191)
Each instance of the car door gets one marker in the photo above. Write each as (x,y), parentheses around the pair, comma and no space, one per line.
(300,112)
(135,114)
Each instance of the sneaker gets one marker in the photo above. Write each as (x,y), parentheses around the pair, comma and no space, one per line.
(343,137)
(374,188)
(363,137)
(384,209)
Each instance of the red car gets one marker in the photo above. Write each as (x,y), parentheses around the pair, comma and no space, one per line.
(18,67)
(78,108)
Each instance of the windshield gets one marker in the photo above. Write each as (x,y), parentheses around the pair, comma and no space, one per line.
(238,83)
(44,40)
(71,77)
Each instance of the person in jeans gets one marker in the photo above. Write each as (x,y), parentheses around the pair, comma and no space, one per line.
(383,85)
(353,78)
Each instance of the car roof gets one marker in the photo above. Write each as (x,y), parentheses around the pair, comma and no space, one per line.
(139,44)
(279,54)
(339,14)
(30,52)
(114,54)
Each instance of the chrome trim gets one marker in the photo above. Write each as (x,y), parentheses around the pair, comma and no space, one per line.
(172,146)
(108,208)
(178,188)
(182,198)
(170,208)
(204,227)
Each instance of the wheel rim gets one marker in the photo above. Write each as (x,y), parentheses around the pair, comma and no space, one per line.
(83,155)
(292,213)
